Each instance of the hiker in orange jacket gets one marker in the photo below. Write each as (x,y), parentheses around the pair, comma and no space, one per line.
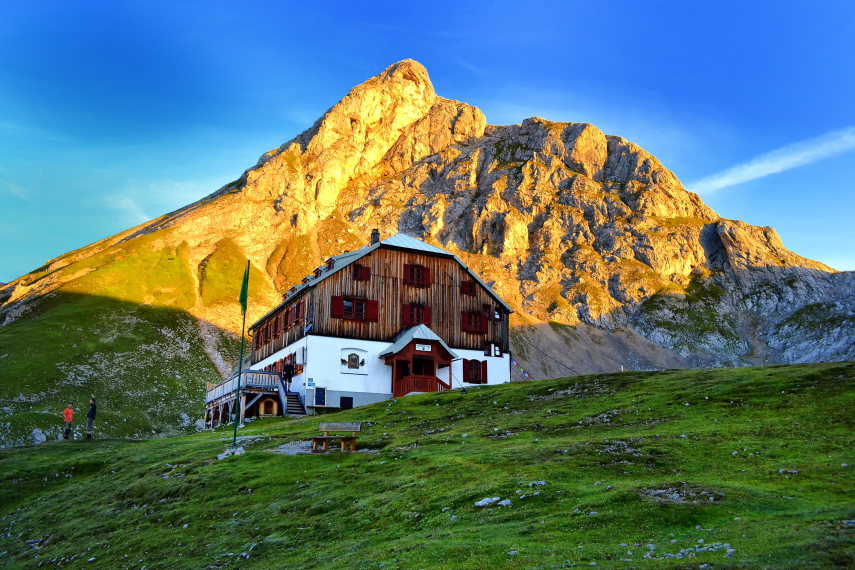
(69,417)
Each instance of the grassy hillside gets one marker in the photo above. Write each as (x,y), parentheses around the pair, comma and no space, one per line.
(77,345)
(735,468)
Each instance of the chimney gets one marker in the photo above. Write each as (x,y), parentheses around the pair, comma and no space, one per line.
(375,236)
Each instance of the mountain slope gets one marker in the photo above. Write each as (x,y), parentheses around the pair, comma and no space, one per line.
(738,468)
(608,260)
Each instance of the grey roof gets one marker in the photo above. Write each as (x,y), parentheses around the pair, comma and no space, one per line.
(418,332)
(409,242)
(402,241)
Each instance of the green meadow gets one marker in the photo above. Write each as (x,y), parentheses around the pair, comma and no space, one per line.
(725,468)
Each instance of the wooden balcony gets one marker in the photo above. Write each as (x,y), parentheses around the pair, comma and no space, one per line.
(417,383)
(249,378)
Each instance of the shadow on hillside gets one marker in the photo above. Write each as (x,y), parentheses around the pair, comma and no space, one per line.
(148,367)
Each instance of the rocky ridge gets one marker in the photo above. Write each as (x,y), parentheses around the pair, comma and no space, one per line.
(607,258)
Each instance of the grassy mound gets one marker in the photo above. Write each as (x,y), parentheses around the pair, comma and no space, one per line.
(740,468)
(146,365)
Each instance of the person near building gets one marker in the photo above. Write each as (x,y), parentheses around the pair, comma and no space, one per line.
(68,414)
(90,418)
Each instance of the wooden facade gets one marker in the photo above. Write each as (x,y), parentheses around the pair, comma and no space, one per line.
(383,293)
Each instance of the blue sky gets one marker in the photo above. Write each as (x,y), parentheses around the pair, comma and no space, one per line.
(112,113)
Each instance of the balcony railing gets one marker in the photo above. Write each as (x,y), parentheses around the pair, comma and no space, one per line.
(254,378)
(418,383)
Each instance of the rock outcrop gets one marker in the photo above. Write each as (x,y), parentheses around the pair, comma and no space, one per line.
(608,259)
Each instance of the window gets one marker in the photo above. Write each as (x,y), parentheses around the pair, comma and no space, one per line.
(361,272)
(491,349)
(475,371)
(416,275)
(474,322)
(354,309)
(467,288)
(494,312)
(412,314)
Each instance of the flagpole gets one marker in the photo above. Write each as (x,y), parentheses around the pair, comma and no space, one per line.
(244,295)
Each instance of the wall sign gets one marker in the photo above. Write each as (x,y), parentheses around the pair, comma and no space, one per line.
(423,347)
(352,361)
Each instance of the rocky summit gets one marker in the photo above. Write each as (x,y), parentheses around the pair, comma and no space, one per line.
(608,260)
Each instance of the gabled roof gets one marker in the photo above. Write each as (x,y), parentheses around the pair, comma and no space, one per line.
(418,332)
(398,241)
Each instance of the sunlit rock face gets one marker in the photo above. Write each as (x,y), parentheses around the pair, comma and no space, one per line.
(607,258)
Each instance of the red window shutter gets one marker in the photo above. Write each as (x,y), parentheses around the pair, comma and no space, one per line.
(361,272)
(426,316)
(407,314)
(300,310)
(467,375)
(407,273)
(425,276)
(484,372)
(372,311)
(464,321)
(337,307)
(483,323)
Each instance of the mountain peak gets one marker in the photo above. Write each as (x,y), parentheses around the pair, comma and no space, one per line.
(408,70)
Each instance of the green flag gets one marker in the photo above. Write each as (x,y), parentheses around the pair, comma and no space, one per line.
(244,289)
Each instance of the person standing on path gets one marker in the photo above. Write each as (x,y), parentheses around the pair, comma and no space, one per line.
(68,414)
(90,418)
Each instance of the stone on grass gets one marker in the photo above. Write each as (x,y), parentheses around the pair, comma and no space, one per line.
(487,501)
(505,503)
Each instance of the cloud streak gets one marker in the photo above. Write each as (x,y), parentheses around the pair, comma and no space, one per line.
(785,158)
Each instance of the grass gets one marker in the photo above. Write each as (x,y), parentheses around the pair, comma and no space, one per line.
(645,452)
(78,345)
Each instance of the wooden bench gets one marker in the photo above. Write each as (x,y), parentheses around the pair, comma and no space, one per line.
(320,443)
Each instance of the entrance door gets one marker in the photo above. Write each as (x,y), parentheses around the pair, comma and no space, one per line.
(423,366)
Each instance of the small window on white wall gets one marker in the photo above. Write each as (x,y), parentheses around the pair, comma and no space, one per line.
(353,361)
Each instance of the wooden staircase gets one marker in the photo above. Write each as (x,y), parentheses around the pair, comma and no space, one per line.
(294,406)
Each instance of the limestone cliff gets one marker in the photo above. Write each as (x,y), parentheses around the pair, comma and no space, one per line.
(609,261)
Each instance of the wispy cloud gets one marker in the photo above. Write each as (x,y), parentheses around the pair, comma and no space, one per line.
(141,201)
(785,158)
(131,210)
(14,189)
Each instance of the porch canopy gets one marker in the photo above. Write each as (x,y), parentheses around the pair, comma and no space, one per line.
(415,357)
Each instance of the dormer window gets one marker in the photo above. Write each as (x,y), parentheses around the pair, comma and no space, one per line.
(330,263)
(416,275)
